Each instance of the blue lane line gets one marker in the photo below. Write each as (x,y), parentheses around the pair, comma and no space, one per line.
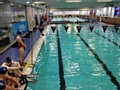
(61,70)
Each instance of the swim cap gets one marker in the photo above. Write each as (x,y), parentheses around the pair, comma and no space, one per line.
(19,32)
(3,70)
(8,60)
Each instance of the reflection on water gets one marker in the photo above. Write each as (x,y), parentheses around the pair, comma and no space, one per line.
(72,67)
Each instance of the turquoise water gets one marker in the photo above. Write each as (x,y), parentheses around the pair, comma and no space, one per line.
(81,69)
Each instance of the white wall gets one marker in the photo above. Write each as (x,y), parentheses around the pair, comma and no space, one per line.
(65,12)
(109,11)
(106,11)
(113,11)
(84,12)
(101,11)
(57,13)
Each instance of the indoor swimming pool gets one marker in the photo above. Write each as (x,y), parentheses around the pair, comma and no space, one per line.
(78,61)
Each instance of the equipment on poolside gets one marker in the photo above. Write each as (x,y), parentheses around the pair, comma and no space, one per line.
(31,80)
(27,65)
(30,75)
(28,78)
(23,81)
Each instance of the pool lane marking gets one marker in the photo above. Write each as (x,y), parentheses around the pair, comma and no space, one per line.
(108,72)
(61,70)
(108,39)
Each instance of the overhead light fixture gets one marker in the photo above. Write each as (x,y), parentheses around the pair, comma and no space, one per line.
(51,11)
(1,2)
(39,2)
(11,4)
(104,0)
(73,1)
(27,2)
(85,9)
(33,4)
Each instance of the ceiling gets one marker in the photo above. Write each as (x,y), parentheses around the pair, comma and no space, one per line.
(63,5)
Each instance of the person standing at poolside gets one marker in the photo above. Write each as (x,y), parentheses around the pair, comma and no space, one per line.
(21,47)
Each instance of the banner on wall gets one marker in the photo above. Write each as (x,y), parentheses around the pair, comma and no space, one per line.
(117,12)
(21,26)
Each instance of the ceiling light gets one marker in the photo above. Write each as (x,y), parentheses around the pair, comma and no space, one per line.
(11,4)
(39,2)
(85,9)
(104,0)
(1,2)
(33,4)
(51,11)
(27,2)
(73,1)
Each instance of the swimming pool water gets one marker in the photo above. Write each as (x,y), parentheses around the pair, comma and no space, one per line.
(82,71)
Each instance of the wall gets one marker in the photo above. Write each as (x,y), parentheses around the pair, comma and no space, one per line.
(65,12)
(5,14)
(31,11)
(18,12)
(84,12)
(112,13)
(106,11)
(30,17)
(6,20)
